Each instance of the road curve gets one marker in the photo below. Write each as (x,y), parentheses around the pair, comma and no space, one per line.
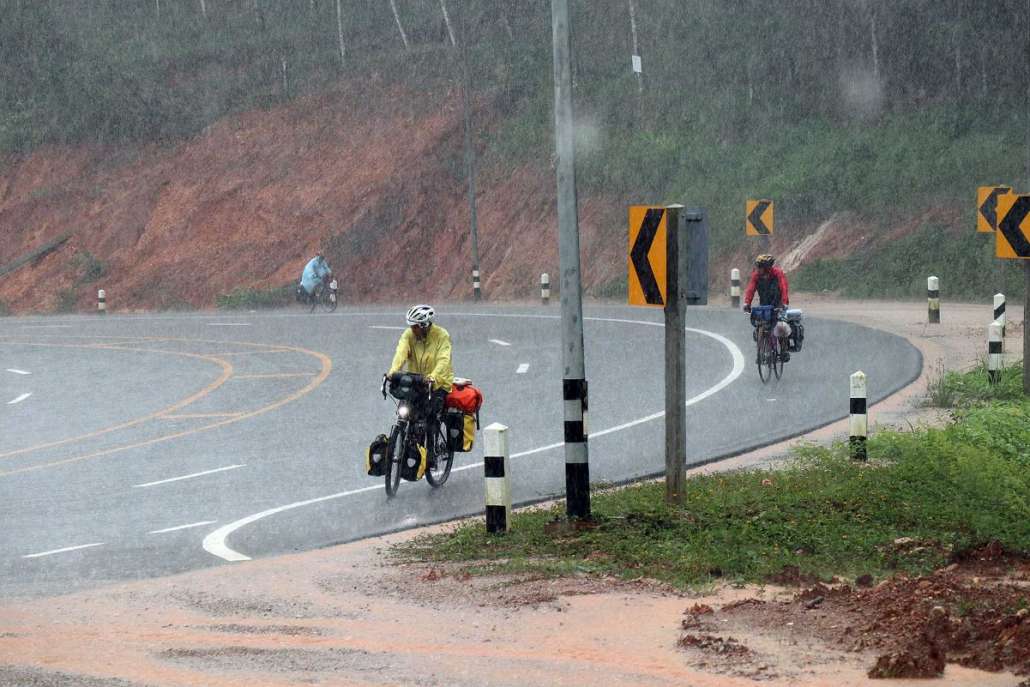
(158,444)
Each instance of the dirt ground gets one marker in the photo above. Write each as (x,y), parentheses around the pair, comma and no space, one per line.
(347,616)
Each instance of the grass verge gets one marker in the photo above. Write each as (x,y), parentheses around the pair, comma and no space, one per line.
(947,490)
(246,299)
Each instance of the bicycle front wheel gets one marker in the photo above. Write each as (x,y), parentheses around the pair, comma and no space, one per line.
(440,468)
(763,360)
(777,356)
(394,457)
(329,299)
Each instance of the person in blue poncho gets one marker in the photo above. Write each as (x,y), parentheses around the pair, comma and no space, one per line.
(315,272)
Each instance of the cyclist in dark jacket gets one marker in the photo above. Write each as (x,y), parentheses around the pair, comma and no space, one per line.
(771,284)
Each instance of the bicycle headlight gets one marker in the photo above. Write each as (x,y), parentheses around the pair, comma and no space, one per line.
(403,411)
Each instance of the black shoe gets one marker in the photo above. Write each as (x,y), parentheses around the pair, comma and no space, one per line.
(786,357)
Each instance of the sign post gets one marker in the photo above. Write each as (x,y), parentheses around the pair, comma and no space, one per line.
(660,247)
(1012,242)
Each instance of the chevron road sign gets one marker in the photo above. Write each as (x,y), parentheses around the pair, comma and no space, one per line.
(986,207)
(759,220)
(1012,240)
(647,255)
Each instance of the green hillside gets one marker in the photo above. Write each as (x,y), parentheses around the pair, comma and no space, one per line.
(879,107)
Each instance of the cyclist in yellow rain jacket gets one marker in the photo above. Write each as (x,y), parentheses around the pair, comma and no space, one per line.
(425,348)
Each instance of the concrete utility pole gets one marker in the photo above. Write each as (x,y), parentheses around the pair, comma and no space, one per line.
(1026,263)
(470,152)
(574,383)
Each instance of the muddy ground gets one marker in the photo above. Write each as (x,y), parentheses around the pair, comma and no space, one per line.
(347,616)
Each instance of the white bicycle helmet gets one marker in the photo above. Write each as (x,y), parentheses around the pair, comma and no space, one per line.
(421,315)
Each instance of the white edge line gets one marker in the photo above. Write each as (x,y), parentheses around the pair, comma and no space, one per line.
(228,324)
(214,543)
(523,369)
(20,398)
(18,372)
(67,548)
(183,527)
(195,474)
(499,342)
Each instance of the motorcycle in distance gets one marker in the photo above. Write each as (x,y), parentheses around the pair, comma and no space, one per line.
(414,432)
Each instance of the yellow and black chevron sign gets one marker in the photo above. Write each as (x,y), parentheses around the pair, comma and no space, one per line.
(647,258)
(1012,240)
(759,220)
(987,207)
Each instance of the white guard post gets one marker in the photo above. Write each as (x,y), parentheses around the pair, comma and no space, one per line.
(102,302)
(859,418)
(933,300)
(735,288)
(994,353)
(496,464)
(545,288)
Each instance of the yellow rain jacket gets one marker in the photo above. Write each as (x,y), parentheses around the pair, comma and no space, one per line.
(431,356)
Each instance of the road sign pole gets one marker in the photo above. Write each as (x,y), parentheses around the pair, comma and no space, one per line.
(470,157)
(677,247)
(1026,327)
(574,383)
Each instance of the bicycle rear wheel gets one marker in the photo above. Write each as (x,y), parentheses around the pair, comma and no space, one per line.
(316,296)
(764,366)
(437,474)
(394,456)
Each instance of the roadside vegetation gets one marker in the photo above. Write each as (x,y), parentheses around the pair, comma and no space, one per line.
(926,497)
(244,298)
(825,107)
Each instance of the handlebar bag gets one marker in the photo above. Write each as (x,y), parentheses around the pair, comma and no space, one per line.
(402,386)
(375,456)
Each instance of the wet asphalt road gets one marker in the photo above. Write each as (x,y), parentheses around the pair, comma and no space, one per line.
(141,446)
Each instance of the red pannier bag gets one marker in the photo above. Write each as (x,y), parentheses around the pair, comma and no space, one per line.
(465,397)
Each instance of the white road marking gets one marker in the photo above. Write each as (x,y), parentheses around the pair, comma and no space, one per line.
(20,398)
(228,324)
(499,342)
(771,400)
(18,372)
(523,369)
(183,527)
(67,548)
(48,326)
(376,326)
(191,476)
(214,543)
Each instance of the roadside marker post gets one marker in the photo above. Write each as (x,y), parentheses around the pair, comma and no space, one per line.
(933,300)
(999,314)
(994,348)
(545,288)
(734,288)
(102,302)
(497,474)
(475,285)
(859,420)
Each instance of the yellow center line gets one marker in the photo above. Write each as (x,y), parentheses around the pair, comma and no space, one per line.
(193,416)
(275,375)
(227,370)
(327,366)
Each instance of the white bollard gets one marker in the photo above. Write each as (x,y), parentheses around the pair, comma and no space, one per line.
(859,418)
(496,464)
(102,302)
(933,300)
(475,284)
(999,314)
(545,288)
(334,288)
(735,288)
(994,352)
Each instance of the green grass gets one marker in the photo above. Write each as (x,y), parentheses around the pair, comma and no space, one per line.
(949,489)
(247,298)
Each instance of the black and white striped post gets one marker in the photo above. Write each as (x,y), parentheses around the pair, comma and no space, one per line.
(994,352)
(933,300)
(496,463)
(101,302)
(475,284)
(735,288)
(859,419)
(545,288)
(999,313)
